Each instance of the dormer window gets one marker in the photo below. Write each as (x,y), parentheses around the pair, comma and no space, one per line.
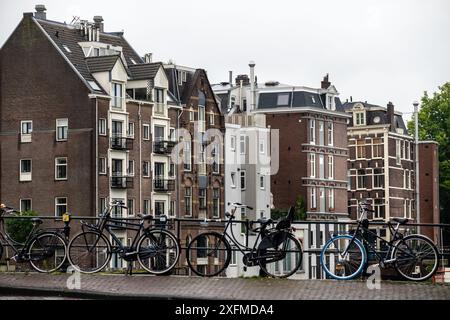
(360,118)
(283,99)
(117,95)
(330,103)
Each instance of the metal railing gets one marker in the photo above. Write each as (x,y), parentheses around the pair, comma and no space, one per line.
(163,185)
(121,143)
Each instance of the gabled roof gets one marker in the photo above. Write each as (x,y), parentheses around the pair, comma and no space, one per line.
(144,70)
(101,64)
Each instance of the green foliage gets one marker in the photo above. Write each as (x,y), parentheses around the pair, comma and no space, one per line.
(19,229)
(434,124)
(300,211)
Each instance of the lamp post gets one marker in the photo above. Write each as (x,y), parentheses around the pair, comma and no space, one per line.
(416,136)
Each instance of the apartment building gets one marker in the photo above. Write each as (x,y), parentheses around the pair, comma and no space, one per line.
(84,120)
(381,165)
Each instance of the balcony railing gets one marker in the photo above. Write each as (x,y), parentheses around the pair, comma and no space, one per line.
(163,147)
(117,102)
(121,143)
(121,182)
(163,185)
(160,109)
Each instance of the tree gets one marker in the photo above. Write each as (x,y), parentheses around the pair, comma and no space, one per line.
(19,229)
(300,211)
(434,124)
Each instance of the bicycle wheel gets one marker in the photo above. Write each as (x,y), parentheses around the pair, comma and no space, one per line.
(416,257)
(208,254)
(158,251)
(283,260)
(47,252)
(343,257)
(89,252)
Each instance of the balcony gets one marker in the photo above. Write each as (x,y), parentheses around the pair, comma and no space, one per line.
(121,143)
(163,185)
(163,147)
(121,182)
(160,109)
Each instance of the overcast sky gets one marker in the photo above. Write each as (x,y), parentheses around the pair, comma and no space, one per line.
(377,50)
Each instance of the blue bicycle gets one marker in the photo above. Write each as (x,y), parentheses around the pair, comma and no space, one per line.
(415,257)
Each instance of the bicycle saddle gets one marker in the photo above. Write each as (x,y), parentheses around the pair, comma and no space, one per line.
(37,220)
(145,217)
(264,221)
(400,220)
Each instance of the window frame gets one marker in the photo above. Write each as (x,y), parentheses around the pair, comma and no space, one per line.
(23,176)
(59,165)
(100,132)
(146,132)
(59,204)
(243,180)
(62,126)
(25,199)
(100,160)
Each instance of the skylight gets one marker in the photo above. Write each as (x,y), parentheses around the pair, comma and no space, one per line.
(67,49)
(94,85)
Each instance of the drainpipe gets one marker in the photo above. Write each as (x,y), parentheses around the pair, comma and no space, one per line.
(140,157)
(178,155)
(96,156)
(416,136)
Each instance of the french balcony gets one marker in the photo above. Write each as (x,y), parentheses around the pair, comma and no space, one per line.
(118,181)
(163,185)
(163,147)
(121,143)
(160,109)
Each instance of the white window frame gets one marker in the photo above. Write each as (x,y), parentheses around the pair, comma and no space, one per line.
(312,165)
(398,157)
(360,118)
(133,207)
(191,115)
(211,119)
(60,204)
(102,127)
(148,169)
(312,131)
(131,172)
(313,199)
(102,159)
(25,137)
(62,126)
(25,199)
(59,165)
(146,132)
(117,98)
(330,167)
(190,201)
(331,204)
(25,176)
(330,133)
(321,166)
(146,207)
(218,203)
(130,133)
(172,207)
(187,155)
(321,133)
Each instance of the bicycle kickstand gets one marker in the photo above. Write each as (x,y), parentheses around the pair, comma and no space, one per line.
(130,269)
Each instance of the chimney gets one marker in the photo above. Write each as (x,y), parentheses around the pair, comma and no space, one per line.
(98,20)
(351,99)
(390,115)
(230,78)
(148,58)
(252,86)
(325,84)
(40,12)
(244,78)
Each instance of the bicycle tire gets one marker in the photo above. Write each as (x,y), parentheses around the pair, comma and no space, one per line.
(327,248)
(273,273)
(432,249)
(218,238)
(37,244)
(72,251)
(153,252)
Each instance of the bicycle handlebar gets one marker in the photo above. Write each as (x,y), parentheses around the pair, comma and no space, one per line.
(239,205)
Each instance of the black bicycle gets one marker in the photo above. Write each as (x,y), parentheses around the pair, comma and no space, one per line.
(156,249)
(279,253)
(415,257)
(44,249)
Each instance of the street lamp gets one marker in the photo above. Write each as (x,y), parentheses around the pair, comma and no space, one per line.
(416,136)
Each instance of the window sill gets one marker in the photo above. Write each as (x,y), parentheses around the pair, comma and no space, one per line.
(61,179)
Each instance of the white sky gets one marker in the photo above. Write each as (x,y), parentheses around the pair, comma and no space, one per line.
(374,50)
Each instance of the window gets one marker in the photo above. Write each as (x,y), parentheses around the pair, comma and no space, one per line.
(188,201)
(378,178)
(321,166)
(377,148)
(130,206)
(330,103)
(312,131)
(60,206)
(61,169)
(191,115)
(202,199)
(321,133)
(243,180)
(407,179)
(407,150)
(216,202)
(216,159)
(360,118)
(131,168)
(61,129)
(172,209)
(262,182)
(360,149)
(331,199)
(378,207)
(330,139)
(187,156)
(242,144)
(102,127)
(117,95)
(25,205)
(283,99)
(313,198)
(159,95)
(261,146)
(25,170)
(159,208)
(146,133)
(233,143)
(146,207)
(312,165)
(172,170)
(330,167)
(397,152)
(233,179)
(102,165)
(402,149)
(361,179)
(211,119)
(26,130)
(146,169)
(322,199)
(130,132)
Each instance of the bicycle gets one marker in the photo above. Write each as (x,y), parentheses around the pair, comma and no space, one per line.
(279,253)
(44,249)
(414,257)
(156,249)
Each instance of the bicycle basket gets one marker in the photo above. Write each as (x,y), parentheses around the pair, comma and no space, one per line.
(285,223)
(273,239)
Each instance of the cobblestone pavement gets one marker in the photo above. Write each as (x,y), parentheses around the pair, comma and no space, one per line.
(176,287)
